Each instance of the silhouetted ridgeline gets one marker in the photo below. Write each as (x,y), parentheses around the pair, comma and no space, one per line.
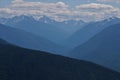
(23,64)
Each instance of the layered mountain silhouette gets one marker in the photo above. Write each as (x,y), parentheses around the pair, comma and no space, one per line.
(41,28)
(45,27)
(24,64)
(70,26)
(94,41)
(90,30)
(27,39)
(69,33)
(104,48)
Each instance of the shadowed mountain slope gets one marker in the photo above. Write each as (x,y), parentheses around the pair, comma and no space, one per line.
(23,64)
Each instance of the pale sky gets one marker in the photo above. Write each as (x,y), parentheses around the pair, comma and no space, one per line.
(70,2)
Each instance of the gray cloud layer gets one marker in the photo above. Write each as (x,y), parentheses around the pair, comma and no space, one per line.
(60,11)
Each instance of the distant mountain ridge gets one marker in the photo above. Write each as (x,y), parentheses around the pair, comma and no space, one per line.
(68,34)
(27,40)
(90,30)
(44,24)
(31,25)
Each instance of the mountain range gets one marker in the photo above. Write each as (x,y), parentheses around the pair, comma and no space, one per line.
(27,40)
(45,27)
(103,48)
(69,33)
(93,41)
(88,31)
(18,63)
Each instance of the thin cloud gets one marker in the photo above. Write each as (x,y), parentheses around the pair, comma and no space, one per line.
(98,11)
(17,1)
